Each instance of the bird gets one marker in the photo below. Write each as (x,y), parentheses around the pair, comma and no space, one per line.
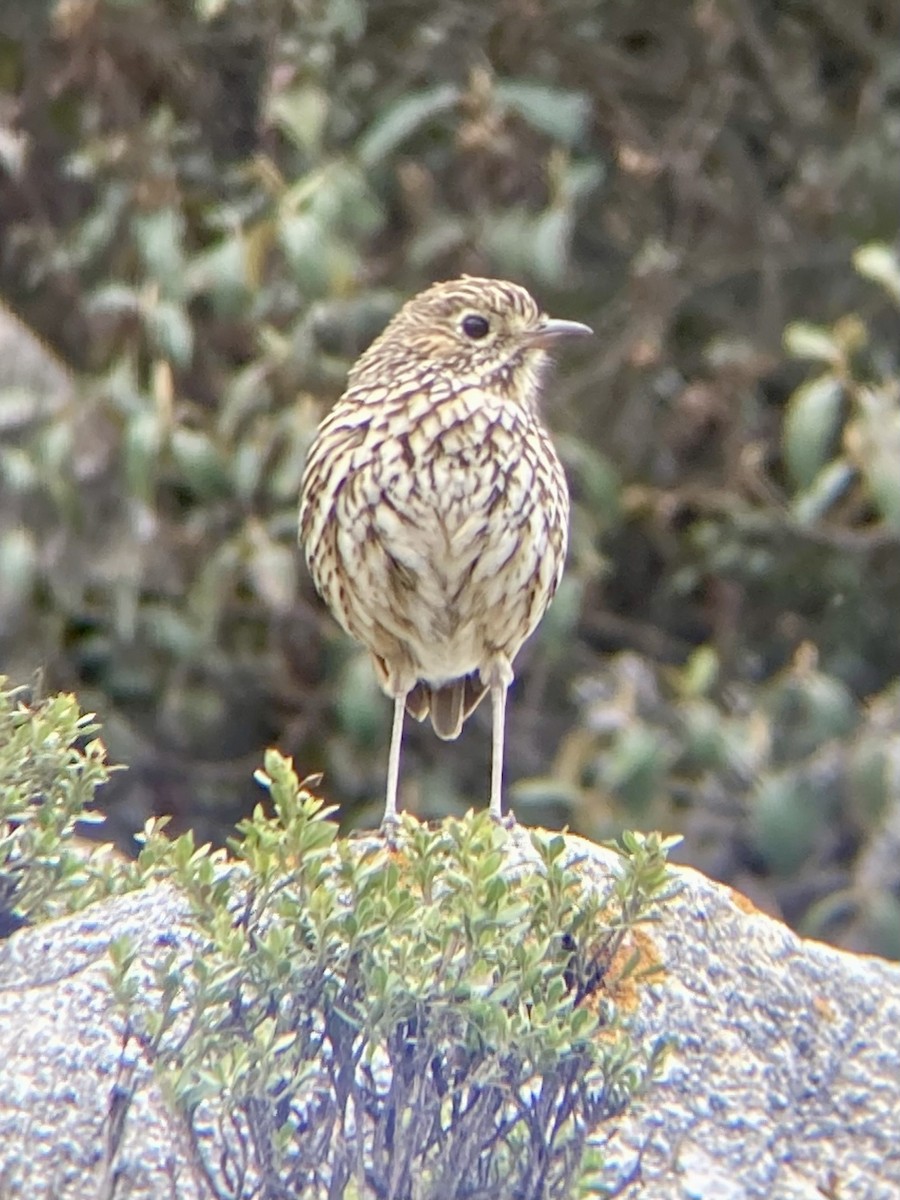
(434,509)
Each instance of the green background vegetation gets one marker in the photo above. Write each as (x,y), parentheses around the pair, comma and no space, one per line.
(209,207)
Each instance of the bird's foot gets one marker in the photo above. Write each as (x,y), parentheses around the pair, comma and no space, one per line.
(389,828)
(505,822)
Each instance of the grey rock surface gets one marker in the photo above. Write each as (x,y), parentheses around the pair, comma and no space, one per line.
(784,1083)
(33,381)
(67,1066)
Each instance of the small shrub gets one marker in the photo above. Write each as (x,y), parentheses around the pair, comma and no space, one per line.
(50,767)
(420,1019)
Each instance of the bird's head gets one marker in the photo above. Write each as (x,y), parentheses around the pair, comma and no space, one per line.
(471,332)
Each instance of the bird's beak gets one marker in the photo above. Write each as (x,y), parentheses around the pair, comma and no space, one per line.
(551,329)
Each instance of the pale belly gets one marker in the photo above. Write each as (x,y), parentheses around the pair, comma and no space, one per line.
(443,563)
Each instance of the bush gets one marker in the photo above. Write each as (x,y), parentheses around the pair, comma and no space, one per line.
(50,768)
(424,1019)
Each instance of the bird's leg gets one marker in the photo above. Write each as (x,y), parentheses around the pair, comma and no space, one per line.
(389,820)
(498,680)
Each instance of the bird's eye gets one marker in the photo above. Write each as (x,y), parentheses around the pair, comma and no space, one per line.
(475,326)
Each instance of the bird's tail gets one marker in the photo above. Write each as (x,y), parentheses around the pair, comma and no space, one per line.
(448,705)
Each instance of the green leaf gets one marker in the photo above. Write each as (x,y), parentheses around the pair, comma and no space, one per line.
(170,332)
(562,115)
(549,245)
(404,118)
(18,570)
(884,484)
(635,766)
(810,427)
(831,483)
(301,113)
(200,462)
(701,673)
(880,263)
(115,299)
(17,468)
(811,341)
(306,248)
(878,449)
(159,238)
(221,272)
(142,445)
(783,821)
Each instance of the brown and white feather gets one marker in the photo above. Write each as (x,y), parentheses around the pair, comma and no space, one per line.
(434,509)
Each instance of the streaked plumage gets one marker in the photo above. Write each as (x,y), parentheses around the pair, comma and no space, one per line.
(434,510)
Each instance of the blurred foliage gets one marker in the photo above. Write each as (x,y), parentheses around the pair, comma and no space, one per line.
(364,1019)
(210,207)
(792,780)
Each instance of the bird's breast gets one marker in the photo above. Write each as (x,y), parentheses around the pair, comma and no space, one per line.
(449,517)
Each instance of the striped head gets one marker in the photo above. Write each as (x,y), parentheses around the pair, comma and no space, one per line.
(486,333)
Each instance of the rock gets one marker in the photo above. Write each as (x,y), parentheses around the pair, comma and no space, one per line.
(784,1082)
(34,382)
(66,1129)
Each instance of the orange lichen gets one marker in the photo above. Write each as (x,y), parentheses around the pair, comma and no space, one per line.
(622,975)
